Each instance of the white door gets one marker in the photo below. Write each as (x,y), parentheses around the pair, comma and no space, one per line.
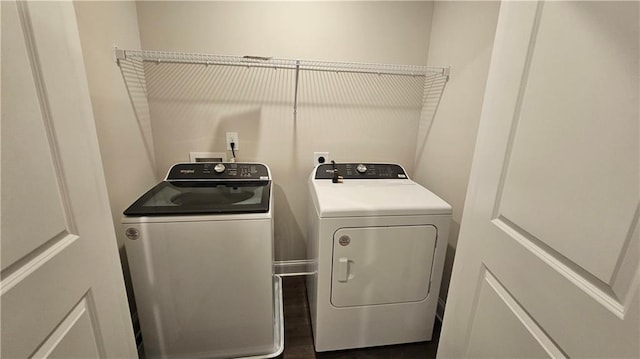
(547,262)
(61,287)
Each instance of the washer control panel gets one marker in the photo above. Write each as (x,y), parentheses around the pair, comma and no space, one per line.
(217,171)
(361,171)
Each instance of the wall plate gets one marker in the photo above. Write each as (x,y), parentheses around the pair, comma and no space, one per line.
(320,158)
(233,137)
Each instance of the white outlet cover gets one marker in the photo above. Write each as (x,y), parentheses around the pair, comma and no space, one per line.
(318,155)
(233,137)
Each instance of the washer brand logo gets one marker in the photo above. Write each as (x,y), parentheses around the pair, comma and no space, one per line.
(344,241)
(187,171)
(132,233)
(400,175)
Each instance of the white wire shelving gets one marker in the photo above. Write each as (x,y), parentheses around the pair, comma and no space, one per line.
(277,63)
(281,63)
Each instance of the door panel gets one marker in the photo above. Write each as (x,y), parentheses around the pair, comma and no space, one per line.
(566,154)
(61,282)
(26,322)
(75,337)
(552,207)
(27,156)
(487,336)
(382,265)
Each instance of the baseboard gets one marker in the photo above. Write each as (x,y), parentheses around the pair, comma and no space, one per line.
(440,309)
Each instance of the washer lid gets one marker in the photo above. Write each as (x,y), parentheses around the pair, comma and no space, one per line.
(203,197)
(367,198)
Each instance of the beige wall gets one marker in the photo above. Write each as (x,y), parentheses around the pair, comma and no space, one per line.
(354,117)
(129,168)
(361,31)
(461,35)
(127,165)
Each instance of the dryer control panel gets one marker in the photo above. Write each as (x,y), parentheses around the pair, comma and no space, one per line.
(361,171)
(218,171)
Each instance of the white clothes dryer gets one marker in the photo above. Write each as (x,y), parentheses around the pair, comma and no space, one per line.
(200,253)
(378,240)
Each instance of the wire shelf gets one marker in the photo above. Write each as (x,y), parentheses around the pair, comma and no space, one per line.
(276,63)
(430,75)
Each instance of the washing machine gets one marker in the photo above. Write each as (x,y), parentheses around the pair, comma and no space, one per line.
(378,240)
(200,252)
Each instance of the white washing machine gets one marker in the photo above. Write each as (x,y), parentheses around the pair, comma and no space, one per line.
(379,241)
(200,253)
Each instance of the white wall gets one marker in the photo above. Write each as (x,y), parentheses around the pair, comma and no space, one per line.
(355,118)
(461,35)
(362,31)
(128,168)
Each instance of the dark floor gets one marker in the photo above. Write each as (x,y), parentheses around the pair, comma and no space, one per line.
(298,340)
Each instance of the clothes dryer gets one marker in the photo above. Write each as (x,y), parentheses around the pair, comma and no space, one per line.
(200,253)
(378,240)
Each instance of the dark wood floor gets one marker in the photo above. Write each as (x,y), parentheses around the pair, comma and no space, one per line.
(298,340)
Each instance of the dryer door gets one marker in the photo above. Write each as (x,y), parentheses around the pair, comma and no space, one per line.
(382,265)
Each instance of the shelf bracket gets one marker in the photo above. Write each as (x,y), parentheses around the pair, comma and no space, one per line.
(446,72)
(120,54)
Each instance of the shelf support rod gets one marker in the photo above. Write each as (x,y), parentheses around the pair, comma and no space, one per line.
(295,92)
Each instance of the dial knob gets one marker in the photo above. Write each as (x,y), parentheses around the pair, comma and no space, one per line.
(219,168)
(361,168)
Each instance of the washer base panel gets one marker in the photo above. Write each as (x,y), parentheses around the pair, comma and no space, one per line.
(203,288)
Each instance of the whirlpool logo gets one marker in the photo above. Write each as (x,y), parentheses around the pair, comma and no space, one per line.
(187,171)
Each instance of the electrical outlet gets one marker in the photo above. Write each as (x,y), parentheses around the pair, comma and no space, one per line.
(233,137)
(320,158)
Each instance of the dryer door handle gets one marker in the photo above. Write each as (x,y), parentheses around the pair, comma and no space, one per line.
(343,269)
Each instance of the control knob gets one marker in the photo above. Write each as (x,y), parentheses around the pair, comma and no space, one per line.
(219,168)
(361,168)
